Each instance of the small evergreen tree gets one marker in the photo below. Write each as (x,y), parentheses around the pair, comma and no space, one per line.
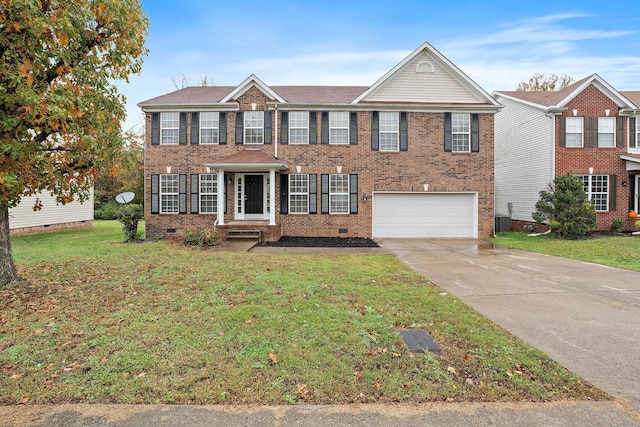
(129,215)
(565,208)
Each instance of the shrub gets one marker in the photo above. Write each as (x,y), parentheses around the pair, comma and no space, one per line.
(201,238)
(565,208)
(129,215)
(107,210)
(616,225)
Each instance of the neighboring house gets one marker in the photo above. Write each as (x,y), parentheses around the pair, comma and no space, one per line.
(588,129)
(325,160)
(52,217)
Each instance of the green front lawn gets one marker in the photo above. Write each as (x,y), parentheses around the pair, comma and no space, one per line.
(614,251)
(103,321)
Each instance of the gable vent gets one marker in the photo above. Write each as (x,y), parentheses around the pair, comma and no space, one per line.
(424,67)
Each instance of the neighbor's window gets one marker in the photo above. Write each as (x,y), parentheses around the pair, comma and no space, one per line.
(254,127)
(573,132)
(389,123)
(606,131)
(169,193)
(339,127)
(298,127)
(209,127)
(597,189)
(169,128)
(299,193)
(339,194)
(208,193)
(460,132)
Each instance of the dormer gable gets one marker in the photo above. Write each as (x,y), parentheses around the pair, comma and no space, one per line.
(248,83)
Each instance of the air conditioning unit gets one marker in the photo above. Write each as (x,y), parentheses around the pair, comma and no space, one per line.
(503,223)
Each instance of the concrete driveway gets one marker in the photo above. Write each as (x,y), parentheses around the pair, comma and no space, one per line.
(585,316)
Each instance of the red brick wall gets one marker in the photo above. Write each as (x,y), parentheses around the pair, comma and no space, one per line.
(425,162)
(605,161)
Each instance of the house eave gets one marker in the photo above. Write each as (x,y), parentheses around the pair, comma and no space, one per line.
(408,107)
(187,107)
(247,167)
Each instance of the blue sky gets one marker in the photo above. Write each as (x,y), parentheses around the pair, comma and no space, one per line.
(353,42)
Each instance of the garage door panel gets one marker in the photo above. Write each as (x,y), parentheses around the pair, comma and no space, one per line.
(407,215)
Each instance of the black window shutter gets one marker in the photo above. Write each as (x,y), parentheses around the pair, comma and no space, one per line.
(284,193)
(404,132)
(155,128)
(239,127)
(313,127)
(284,128)
(267,127)
(182,194)
(324,193)
(194,193)
(375,131)
(195,128)
(591,131)
(620,133)
(313,193)
(222,128)
(612,193)
(562,124)
(632,131)
(324,128)
(182,133)
(353,128)
(475,133)
(448,144)
(353,193)
(632,191)
(155,185)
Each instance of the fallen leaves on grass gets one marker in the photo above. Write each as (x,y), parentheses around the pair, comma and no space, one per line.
(273,358)
(376,351)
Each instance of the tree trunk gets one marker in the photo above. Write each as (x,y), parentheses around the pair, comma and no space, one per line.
(8,272)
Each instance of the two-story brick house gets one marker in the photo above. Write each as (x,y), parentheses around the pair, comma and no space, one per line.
(410,156)
(588,129)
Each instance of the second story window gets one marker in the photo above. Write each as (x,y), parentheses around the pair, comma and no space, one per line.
(606,131)
(169,128)
(254,127)
(460,132)
(388,131)
(209,127)
(298,127)
(339,127)
(573,132)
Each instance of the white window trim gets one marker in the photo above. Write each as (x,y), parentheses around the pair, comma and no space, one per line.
(292,127)
(333,194)
(214,194)
(163,116)
(202,127)
(613,132)
(246,127)
(163,194)
(454,149)
(333,114)
(566,132)
(589,182)
(298,193)
(395,131)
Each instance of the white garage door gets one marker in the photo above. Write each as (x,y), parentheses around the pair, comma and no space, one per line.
(407,215)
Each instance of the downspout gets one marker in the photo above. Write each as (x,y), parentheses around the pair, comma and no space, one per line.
(275,138)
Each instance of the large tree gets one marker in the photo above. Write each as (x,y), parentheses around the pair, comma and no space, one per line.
(539,82)
(60,111)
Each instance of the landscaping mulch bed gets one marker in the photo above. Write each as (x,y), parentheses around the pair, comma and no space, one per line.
(322,242)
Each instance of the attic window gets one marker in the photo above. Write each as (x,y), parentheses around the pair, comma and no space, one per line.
(424,67)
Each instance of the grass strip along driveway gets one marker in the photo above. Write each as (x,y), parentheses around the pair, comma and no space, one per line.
(104,321)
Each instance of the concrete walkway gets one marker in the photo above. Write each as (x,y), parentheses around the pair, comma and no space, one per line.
(585,316)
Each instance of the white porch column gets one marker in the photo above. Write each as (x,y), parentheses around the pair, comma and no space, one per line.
(220,196)
(272,197)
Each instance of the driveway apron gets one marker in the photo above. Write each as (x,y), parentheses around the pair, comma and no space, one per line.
(585,316)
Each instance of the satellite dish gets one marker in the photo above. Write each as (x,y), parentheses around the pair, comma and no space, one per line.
(125,197)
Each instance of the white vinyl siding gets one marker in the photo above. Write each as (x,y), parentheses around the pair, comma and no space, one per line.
(169,193)
(208,193)
(573,132)
(298,127)
(389,126)
(209,127)
(23,215)
(339,127)
(339,194)
(169,128)
(299,193)
(460,132)
(597,189)
(606,131)
(254,127)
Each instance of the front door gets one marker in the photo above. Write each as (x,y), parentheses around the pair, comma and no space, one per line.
(253,194)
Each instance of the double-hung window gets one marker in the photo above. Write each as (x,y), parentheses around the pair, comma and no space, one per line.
(209,127)
(299,193)
(169,128)
(460,132)
(208,193)
(573,132)
(389,130)
(597,189)
(169,193)
(339,127)
(637,119)
(298,127)
(254,127)
(339,194)
(606,131)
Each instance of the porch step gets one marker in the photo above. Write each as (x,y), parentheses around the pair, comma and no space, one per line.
(244,234)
